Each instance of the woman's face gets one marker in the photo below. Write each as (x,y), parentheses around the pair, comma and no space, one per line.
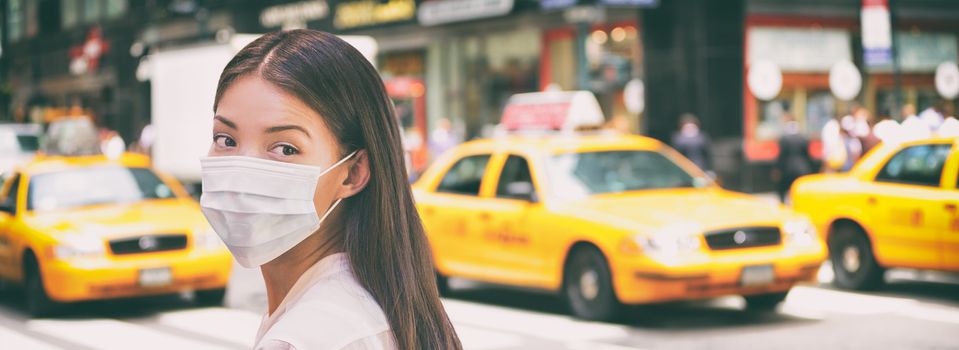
(256,119)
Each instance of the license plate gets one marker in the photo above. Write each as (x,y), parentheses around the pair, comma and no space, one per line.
(754,276)
(155,277)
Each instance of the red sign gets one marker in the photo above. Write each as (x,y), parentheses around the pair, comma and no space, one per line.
(535,116)
(86,57)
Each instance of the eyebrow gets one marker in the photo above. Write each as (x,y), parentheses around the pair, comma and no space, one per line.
(225,121)
(279,128)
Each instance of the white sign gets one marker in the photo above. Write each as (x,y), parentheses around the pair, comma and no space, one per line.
(294,15)
(437,12)
(876,33)
(799,49)
(765,80)
(844,80)
(634,96)
(947,80)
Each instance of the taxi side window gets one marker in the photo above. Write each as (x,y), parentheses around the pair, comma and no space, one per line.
(916,165)
(515,181)
(10,201)
(465,176)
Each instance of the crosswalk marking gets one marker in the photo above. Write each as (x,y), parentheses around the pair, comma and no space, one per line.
(110,334)
(14,340)
(475,338)
(230,325)
(553,327)
(480,326)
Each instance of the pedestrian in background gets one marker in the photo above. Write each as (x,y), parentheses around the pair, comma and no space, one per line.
(443,138)
(887,130)
(863,129)
(833,148)
(850,142)
(794,160)
(933,115)
(950,126)
(692,142)
(302,182)
(913,128)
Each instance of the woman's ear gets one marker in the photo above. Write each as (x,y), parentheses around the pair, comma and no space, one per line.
(357,176)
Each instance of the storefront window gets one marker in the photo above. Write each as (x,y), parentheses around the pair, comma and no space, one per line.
(15,19)
(69,13)
(613,59)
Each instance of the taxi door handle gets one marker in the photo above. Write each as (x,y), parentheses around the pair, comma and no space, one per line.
(951,207)
(485,216)
(872,201)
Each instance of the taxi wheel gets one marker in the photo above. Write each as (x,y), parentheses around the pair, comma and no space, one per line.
(38,303)
(764,302)
(210,297)
(588,287)
(852,260)
(443,284)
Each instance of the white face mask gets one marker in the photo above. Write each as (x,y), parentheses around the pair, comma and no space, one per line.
(261,208)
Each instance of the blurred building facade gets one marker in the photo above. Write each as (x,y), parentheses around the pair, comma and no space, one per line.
(647,60)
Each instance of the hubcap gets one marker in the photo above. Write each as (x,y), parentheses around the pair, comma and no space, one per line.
(850,259)
(589,284)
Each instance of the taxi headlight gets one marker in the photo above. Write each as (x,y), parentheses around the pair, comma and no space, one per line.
(207,239)
(800,232)
(79,246)
(672,239)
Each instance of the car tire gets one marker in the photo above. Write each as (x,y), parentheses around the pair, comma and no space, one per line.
(588,287)
(38,302)
(764,302)
(442,284)
(210,297)
(853,262)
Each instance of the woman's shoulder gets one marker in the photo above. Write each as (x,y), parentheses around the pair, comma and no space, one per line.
(332,313)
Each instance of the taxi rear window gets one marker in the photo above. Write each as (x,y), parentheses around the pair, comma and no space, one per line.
(588,173)
(93,186)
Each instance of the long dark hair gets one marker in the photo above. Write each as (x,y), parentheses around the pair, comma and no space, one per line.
(382,235)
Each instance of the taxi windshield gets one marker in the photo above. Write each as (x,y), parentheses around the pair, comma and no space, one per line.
(589,173)
(92,186)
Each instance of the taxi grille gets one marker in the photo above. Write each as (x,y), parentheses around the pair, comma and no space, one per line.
(743,238)
(148,244)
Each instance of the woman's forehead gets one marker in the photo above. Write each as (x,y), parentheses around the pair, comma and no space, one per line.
(254,102)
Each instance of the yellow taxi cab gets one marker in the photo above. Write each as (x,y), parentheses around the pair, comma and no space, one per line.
(88,227)
(897,208)
(604,220)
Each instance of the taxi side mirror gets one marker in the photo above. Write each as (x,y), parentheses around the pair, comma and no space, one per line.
(522,190)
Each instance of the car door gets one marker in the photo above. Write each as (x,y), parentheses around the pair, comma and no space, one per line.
(910,206)
(8,204)
(950,236)
(509,241)
(450,214)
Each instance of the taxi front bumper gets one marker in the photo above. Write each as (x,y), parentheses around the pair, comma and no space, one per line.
(114,277)
(649,280)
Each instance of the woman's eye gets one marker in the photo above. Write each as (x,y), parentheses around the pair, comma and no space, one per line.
(286,150)
(224,141)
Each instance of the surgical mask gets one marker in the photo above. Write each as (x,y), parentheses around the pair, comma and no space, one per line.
(261,208)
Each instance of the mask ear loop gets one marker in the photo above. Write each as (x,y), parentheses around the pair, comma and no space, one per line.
(338,163)
(337,202)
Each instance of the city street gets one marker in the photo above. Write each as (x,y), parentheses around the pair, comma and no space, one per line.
(915,311)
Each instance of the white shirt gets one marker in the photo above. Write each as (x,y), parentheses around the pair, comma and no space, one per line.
(932,118)
(326,308)
(949,128)
(887,130)
(914,128)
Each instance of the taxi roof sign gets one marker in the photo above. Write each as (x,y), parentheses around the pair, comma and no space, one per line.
(564,111)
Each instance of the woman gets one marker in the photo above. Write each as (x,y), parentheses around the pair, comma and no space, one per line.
(306,180)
